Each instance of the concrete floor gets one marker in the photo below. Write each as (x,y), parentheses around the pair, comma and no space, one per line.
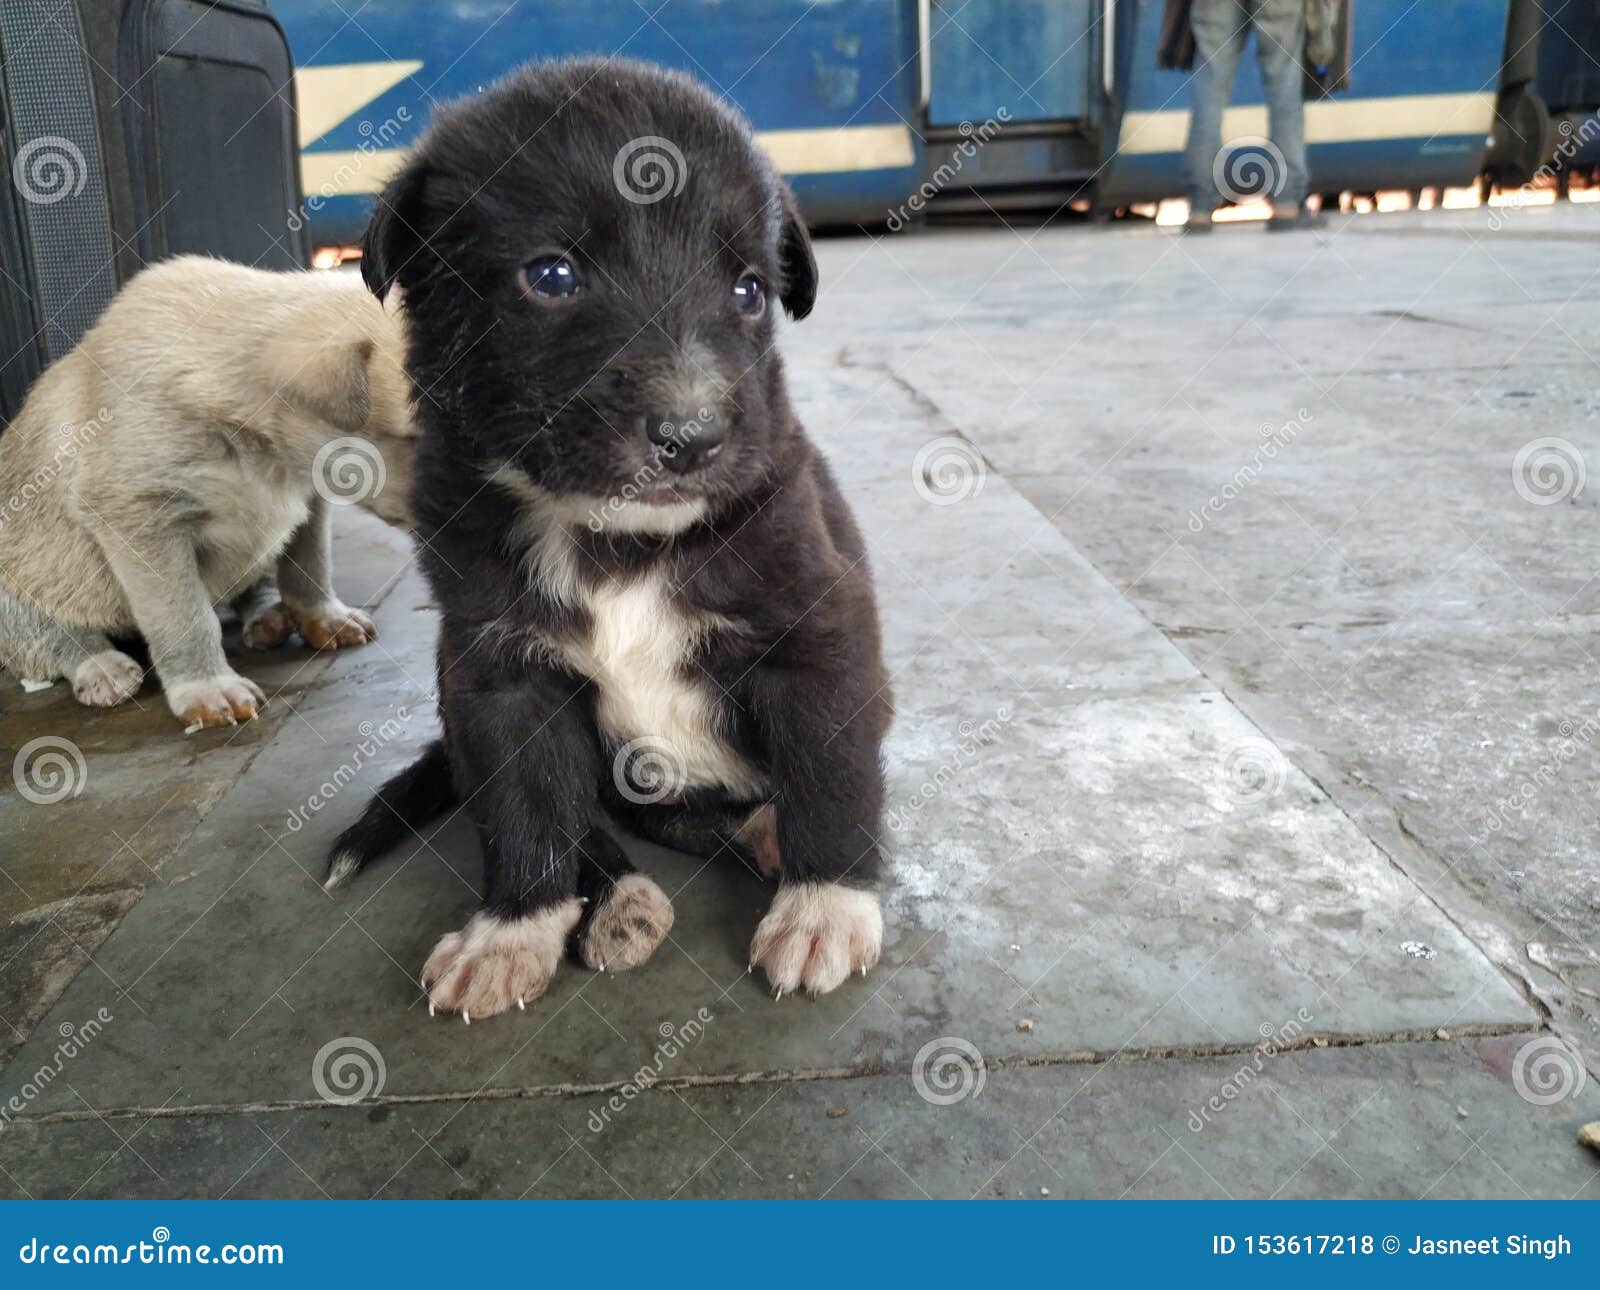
(1204,880)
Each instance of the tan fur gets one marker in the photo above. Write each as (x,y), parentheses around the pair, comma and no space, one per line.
(629,926)
(178,439)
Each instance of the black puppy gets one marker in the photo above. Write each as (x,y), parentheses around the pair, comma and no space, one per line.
(656,605)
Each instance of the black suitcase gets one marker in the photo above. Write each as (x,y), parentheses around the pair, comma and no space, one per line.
(135,130)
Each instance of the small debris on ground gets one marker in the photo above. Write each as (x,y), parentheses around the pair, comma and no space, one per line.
(1025,1025)
(1044,1191)
(837,1112)
(1589,1135)
(1462,1112)
(1441,1033)
(1318,1041)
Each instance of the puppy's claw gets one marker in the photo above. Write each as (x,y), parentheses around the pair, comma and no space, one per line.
(521,1007)
(430,1007)
(466,1016)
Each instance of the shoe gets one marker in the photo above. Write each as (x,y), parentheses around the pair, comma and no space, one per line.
(1288,218)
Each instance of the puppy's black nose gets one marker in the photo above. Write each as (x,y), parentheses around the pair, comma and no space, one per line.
(686,440)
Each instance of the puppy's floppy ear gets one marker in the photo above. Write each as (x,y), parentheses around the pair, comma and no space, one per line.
(794,254)
(327,379)
(393,238)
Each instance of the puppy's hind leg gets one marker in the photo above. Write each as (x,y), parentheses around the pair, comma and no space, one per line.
(305,580)
(264,622)
(625,916)
(35,647)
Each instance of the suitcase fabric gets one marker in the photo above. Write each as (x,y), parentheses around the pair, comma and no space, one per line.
(166,126)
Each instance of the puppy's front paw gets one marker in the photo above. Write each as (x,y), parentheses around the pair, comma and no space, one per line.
(493,963)
(815,935)
(630,923)
(223,700)
(267,626)
(333,625)
(106,679)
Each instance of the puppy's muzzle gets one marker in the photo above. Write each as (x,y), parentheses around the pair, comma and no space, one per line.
(685,441)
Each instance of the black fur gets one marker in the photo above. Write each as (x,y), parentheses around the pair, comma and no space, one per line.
(565,394)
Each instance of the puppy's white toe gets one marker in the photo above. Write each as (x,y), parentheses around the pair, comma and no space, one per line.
(816,934)
(106,679)
(492,963)
(628,926)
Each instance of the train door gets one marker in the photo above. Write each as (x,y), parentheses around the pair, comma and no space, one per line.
(1037,59)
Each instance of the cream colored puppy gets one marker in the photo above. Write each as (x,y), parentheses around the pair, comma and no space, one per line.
(189,447)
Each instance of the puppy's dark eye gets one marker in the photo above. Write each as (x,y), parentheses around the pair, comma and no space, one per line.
(749,296)
(552,277)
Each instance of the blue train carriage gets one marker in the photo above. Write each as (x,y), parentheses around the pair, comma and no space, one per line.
(831,88)
(1419,110)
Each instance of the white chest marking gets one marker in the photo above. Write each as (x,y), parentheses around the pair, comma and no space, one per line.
(639,656)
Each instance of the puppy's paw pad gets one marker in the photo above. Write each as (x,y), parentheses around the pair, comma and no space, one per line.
(632,921)
(267,627)
(333,626)
(816,935)
(106,679)
(222,700)
(493,963)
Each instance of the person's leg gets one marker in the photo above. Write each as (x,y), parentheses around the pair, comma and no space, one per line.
(1280,42)
(1220,28)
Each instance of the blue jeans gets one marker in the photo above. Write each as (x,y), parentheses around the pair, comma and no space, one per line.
(1221,28)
